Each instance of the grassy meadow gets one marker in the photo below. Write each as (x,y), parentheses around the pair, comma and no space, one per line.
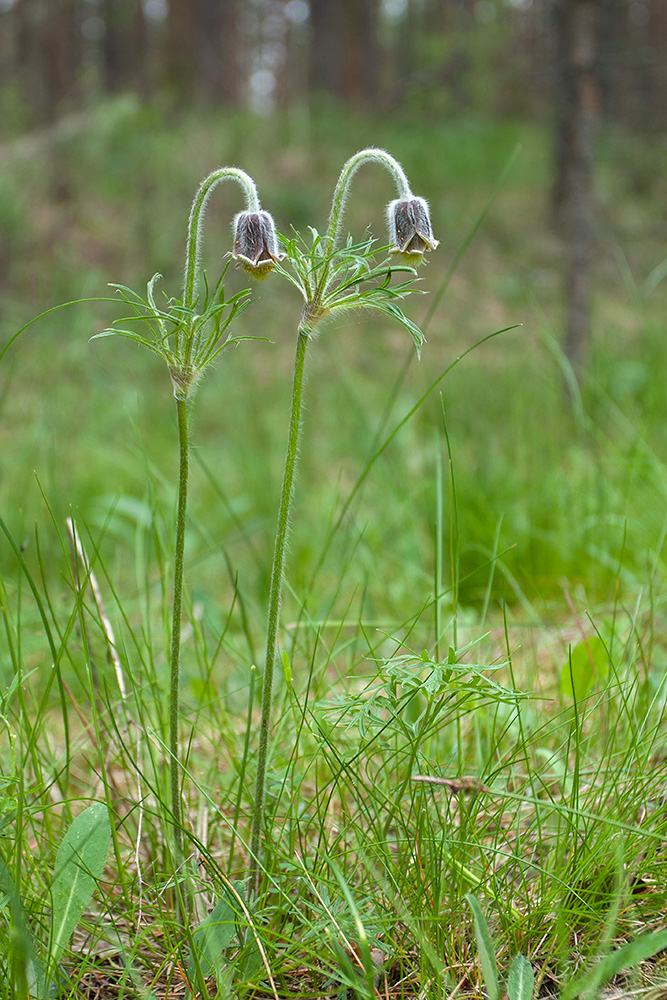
(475,586)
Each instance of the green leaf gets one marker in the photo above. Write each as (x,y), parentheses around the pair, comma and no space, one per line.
(521,980)
(22,947)
(211,938)
(487,955)
(391,309)
(587,664)
(111,332)
(639,950)
(347,974)
(79,864)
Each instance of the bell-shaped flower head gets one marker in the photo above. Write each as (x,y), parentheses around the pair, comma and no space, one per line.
(256,243)
(410,229)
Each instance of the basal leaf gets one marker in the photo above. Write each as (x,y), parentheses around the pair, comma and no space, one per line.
(521,980)
(22,947)
(629,955)
(587,665)
(79,864)
(487,955)
(211,938)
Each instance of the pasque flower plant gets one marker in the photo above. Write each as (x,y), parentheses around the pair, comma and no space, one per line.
(333,277)
(189,334)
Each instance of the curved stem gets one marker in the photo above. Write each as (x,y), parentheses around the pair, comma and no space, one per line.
(275,600)
(175,654)
(197,215)
(379,156)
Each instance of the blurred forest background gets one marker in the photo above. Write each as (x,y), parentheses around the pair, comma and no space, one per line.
(568,64)
(509,507)
(111,112)
(503,57)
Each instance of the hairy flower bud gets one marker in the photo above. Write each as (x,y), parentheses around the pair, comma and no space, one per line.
(410,228)
(256,243)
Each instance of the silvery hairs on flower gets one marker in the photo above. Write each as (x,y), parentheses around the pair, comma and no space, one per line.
(410,229)
(256,243)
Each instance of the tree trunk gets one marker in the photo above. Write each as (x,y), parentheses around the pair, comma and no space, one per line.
(179,54)
(124,46)
(344,54)
(577,110)
(221,47)
(324,20)
(359,54)
(49,54)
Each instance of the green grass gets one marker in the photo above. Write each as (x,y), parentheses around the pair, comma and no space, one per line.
(505,547)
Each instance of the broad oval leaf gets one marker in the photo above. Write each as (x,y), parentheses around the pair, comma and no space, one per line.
(587,665)
(211,938)
(521,980)
(79,864)
(487,955)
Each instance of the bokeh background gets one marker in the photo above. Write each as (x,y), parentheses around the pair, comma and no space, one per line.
(536,129)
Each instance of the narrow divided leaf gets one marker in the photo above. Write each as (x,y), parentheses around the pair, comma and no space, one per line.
(391,309)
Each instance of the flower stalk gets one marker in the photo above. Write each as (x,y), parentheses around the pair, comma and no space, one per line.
(188,334)
(383,159)
(177,605)
(275,598)
(330,278)
(187,342)
(206,188)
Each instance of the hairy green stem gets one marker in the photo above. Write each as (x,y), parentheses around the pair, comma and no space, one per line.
(193,249)
(275,600)
(378,156)
(174,662)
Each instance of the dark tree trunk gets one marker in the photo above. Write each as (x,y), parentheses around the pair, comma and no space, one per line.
(577,111)
(180,47)
(658,13)
(613,64)
(48,54)
(221,47)
(124,45)
(359,54)
(345,54)
(324,45)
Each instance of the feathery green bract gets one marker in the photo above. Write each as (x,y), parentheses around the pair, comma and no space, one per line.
(349,277)
(186,339)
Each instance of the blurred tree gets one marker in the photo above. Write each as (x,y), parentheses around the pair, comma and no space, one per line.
(577,105)
(179,54)
(221,50)
(124,48)
(49,54)
(632,65)
(202,54)
(486,56)
(345,54)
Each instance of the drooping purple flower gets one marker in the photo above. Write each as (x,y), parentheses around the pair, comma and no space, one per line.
(256,243)
(410,229)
